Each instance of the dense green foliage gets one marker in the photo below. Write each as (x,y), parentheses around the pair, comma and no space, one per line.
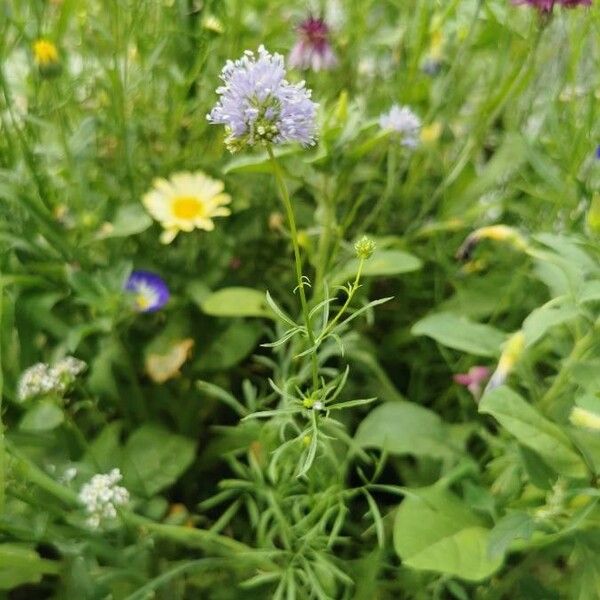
(295,421)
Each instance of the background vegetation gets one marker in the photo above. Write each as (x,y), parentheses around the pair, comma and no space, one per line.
(431,491)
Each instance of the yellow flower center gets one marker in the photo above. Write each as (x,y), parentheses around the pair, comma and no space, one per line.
(45,52)
(142,301)
(188,207)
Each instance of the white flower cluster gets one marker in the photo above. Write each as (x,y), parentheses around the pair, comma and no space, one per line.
(41,378)
(101,496)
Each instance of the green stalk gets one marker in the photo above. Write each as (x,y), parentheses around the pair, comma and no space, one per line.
(148,590)
(324,241)
(285,198)
(187,536)
(342,310)
(2,454)
(563,377)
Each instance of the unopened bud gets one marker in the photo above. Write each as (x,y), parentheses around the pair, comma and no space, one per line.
(364,248)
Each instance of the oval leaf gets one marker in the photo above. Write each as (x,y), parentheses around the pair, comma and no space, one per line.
(154,458)
(533,431)
(236,302)
(382,263)
(404,428)
(460,333)
(435,531)
(42,417)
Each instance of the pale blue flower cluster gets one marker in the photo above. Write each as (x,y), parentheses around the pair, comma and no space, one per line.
(403,121)
(258,105)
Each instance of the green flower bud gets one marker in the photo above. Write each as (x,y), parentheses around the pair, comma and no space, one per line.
(364,248)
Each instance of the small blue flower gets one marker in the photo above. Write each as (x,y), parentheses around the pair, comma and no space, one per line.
(402,121)
(258,105)
(598,152)
(150,291)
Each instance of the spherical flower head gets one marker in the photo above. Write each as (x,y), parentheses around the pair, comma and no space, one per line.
(312,49)
(45,55)
(403,121)
(364,248)
(186,201)
(258,105)
(150,292)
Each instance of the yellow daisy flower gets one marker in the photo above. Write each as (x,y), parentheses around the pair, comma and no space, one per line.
(186,201)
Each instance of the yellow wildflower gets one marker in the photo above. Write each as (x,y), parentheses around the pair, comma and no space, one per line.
(513,349)
(502,233)
(186,201)
(45,53)
(431,133)
(580,417)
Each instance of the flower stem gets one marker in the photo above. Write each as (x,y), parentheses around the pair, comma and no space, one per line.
(285,198)
(342,310)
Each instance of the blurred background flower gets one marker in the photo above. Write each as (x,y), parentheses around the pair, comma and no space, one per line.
(150,292)
(313,49)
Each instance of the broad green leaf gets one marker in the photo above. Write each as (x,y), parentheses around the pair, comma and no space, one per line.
(586,374)
(154,458)
(20,565)
(104,452)
(586,575)
(590,291)
(231,346)
(460,333)
(570,249)
(405,428)
(539,473)
(516,525)
(382,263)
(435,531)
(588,443)
(237,302)
(542,319)
(533,431)
(45,415)
(129,220)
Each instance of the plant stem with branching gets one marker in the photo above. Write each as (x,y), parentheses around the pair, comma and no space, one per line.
(285,198)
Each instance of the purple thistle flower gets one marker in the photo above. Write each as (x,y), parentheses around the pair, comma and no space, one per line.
(546,6)
(313,50)
(150,291)
(258,105)
(574,3)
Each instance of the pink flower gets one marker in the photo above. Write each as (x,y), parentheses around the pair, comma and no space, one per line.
(313,50)
(546,6)
(473,379)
